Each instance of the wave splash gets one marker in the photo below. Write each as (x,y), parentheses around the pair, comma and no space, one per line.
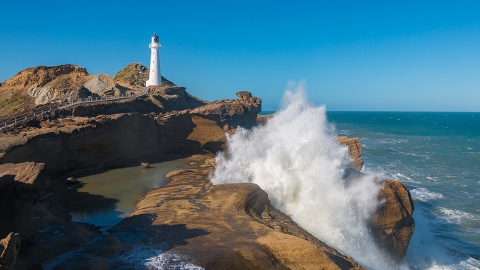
(296,159)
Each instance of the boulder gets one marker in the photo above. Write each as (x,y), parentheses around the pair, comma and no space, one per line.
(21,186)
(145,165)
(392,223)
(9,248)
(72,181)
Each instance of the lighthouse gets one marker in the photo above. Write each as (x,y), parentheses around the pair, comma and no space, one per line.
(155,77)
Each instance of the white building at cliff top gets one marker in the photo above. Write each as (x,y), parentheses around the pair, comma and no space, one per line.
(155,77)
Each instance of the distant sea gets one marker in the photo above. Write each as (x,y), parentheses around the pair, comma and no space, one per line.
(437,155)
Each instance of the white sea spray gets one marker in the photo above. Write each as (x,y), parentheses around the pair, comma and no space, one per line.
(297,161)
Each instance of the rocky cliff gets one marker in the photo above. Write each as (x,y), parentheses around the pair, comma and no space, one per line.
(36,87)
(68,141)
(21,187)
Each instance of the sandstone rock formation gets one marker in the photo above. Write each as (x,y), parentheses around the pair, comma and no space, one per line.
(355,150)
(81,142)
(217,227)
(392,223)
(9,248)
(40,85)
(21,186)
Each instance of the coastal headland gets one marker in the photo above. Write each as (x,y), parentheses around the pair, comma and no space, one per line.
(187,221)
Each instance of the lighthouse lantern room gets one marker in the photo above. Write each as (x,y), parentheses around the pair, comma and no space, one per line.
(155,77)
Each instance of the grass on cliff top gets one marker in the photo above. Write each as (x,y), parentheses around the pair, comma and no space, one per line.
(11,105)
(137,74)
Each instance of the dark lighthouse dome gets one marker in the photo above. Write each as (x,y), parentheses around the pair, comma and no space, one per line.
(155,37)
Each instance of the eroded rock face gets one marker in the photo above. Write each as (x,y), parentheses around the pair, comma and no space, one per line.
(232,113)
(392,222)
(355,150)
(102,85)
(81,142)
(21,186)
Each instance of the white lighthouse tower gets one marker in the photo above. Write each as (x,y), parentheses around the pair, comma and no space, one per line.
(155,77)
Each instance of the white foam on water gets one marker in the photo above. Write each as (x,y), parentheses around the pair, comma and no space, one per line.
(145,257)
(425,253)
(425,195)
(295,158)
(455,216)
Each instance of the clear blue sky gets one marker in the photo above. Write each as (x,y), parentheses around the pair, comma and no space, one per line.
(354,55)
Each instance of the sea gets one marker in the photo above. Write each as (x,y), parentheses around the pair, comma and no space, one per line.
(437,155)
(296,160)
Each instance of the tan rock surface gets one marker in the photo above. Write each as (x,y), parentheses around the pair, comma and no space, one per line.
(40,85)
(227,226)
(392,223)
(355,150)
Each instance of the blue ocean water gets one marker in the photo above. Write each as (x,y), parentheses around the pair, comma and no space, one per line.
(437,155)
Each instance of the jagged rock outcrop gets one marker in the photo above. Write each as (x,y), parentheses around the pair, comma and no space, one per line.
(21,186)
(9,248)
(232,113)
(392,222)
(355,150)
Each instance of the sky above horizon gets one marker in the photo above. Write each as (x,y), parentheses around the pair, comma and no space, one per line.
(353,55)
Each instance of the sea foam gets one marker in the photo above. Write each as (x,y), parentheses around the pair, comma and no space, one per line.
(295,158)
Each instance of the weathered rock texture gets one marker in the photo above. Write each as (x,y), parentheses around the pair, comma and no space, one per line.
(218,227)
(355,150)
(9,248)
(40,85)
(392,222)
(103,85)
(81,142)
(21,186)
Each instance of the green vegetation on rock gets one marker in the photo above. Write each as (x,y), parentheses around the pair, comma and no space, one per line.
(11,105)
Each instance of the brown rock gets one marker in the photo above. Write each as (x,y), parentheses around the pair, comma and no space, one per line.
(145,165)
(392,223)
(244,95)
(232,113)
(355,150)
(21,186)
(40,85)
(227,226)
(9,248)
